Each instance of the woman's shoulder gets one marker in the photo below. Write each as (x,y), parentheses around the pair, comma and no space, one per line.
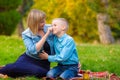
(27,32)
(47,25)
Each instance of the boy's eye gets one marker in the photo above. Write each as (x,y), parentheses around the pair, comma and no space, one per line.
(54,24)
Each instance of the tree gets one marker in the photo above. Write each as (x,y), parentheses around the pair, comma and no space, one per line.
(22,9)
(105,16)
(104,29)
(81,15)
(78,14)
(9,17)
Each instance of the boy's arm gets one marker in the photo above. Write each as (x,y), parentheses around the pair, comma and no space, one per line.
(65,53)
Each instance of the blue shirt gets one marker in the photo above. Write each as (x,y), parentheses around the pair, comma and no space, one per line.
(65,51)
(30,41)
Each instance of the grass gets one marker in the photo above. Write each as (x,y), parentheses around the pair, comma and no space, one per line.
(100,57)
(10,49)
(92,57)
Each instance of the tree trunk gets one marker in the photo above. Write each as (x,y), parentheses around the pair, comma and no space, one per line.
(20,28)
(104,29)
(26,4)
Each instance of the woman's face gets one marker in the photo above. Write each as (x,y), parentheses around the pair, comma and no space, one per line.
(42,23)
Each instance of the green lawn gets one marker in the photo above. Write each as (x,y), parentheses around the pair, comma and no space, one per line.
(92,57)
(100,57)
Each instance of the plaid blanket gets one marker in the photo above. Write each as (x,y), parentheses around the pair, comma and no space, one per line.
(89,75)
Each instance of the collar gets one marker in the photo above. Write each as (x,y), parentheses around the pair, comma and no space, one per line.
(62,37)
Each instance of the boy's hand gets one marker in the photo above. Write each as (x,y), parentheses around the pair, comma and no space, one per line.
(43,55)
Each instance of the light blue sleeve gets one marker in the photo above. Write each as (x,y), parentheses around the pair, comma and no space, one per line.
(30,46)
(65,53)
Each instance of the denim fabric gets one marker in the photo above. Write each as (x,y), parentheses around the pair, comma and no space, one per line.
(30,41)
(29,64)
(63,71)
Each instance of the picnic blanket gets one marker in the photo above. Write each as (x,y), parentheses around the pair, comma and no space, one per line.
(89,75)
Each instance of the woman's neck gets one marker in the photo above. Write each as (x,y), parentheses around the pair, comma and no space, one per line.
(41,33)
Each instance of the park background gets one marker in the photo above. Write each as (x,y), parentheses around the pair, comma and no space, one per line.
(94,25)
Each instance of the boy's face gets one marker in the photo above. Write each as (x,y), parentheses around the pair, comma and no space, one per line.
(57,27)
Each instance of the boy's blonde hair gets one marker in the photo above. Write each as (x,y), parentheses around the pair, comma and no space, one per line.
(63,22)
(34,18)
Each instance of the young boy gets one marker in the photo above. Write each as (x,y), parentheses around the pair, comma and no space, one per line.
(65,52)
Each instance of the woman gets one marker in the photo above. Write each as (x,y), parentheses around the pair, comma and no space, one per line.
(36,38)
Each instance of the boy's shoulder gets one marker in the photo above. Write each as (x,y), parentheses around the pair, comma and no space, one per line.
(69,37)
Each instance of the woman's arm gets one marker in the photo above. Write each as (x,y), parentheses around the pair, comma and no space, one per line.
(43,39)
(31,46)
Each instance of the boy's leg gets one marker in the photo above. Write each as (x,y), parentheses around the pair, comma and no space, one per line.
(70,72)
(54,72)
(67,74)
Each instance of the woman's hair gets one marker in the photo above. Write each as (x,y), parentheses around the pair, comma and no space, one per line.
(34,18)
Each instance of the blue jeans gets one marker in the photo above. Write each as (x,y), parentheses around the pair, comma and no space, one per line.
(63,71)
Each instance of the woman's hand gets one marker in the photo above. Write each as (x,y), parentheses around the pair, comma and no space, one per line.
(50,29)
(43,39)
(43,55)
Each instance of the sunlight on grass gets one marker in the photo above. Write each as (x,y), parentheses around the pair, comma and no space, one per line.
(10,49)
(100,57)
(92,57)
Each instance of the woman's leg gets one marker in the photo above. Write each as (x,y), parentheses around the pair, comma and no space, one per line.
(23,69)
(24,66)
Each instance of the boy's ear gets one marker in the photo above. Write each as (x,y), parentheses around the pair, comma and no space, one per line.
(63,27)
